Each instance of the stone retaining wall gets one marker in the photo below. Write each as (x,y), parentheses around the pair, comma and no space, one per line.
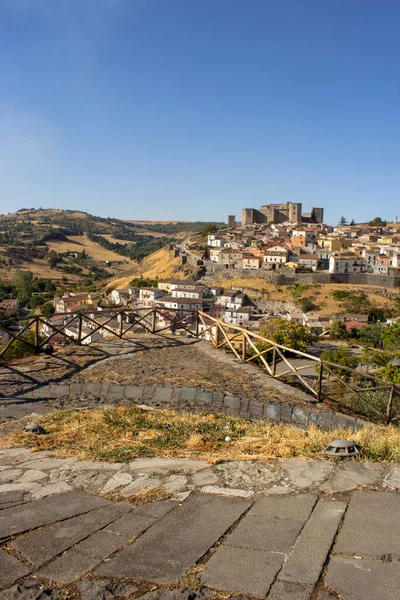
(194,399)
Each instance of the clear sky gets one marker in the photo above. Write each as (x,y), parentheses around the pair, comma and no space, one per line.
(194,109)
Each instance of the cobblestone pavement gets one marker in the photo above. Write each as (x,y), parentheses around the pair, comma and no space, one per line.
(285,529)
(148,360)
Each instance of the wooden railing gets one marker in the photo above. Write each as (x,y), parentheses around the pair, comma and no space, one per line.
(360,393)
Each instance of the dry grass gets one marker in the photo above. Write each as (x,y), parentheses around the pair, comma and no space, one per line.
(77,243)
(159,264)
(147,496)
(320,294)
(123,434)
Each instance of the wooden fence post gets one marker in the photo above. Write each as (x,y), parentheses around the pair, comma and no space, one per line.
(80,319)
(319,382)
(244,347)
(390,404)
(273,366)
(36,335)
(121,324)
(153,321)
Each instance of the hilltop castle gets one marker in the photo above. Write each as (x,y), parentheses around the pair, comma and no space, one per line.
(281,213)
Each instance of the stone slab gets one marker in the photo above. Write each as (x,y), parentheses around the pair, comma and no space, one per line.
(50,490)
(305,473)
(162,466)
(10,475)
(32,475)
(42,545)
(163,395)
(183,535)
(45,464)
(91,589)
(260,533)
(206,477)
(285,590)
(370,529)
(392,480)
(204,398)
(11,569)
(90,552)
(188,394)
(42,512)
(290,507)
(247,474)
(363,580)
(11,498)
(140,485)
(352,475)
(225,491)
(309,553)
(133,392)
(242,571)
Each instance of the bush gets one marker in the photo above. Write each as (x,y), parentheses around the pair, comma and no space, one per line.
(19,349)
(286,333)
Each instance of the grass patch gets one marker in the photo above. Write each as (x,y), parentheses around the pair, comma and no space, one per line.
(122,434)
(144,497)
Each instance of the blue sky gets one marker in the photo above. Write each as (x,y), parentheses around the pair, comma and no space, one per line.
(188,109)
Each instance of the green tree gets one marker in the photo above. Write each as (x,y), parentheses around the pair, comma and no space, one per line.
(19,349)
(391,337)
(22,284)
(343,220)
(338,330)
(286,333)
(47,309)
(376,358)
(352,223)
(342,357)
(377,222)
(390,373)
(371,334)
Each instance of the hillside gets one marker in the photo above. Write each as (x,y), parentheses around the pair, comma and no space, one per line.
(82,248)
(321,295)
(159,264)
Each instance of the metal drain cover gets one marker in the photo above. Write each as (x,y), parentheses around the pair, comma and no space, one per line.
(342,449)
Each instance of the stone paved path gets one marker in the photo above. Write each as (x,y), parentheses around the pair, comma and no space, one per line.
(282,530)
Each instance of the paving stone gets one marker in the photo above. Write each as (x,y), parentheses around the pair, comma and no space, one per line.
(205,477)
(272,412)
(363,580)
(176,396)
(352,475)
(218,399)
(300,415)
(156,510)
(27,486)
(285,590)
(293,507)
(11,497)
(231,405)
(256,408)
(32,475)
(49,490)
(133,392)
(163,394)
(11,569)
(139,485)
(36,514)
(268,534)
(222,491)
(10,475)
(309,553)
(188,394)
(247,474)
(183,535)
(162,466)
(59,390)
(182,496)
(286,413)
(369,529)
(204,398)
(92,465)
(148,393)
(91,388)
(242,570)
(91,481)
(305,473)
(178,594)
(92,589)
(75,389)
(90,552)
(116,392)
(322,595)
(279,490)
(45,464)
(175,483)
(46,543)
(30,590)
(118,480)
(392,479)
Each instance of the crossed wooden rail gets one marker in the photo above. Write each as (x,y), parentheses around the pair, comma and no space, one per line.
(328,380)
